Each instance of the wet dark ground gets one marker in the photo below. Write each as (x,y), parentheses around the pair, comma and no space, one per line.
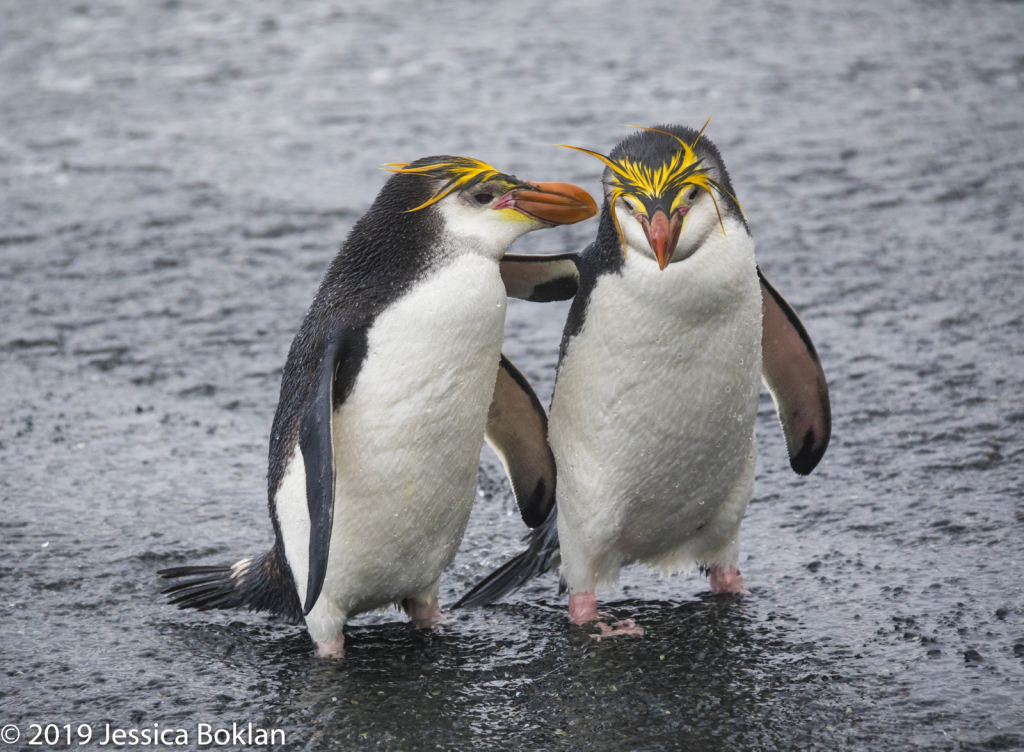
(174,179)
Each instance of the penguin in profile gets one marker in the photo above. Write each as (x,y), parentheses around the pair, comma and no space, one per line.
(670,333)
(391,385)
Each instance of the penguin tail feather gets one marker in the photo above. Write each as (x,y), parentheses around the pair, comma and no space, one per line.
(257,584)
(542,555)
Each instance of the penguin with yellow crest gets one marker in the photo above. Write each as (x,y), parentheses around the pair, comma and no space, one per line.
(391,385)
(671,330)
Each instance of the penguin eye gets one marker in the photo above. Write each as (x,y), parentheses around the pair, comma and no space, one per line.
(484,198)
(693,194)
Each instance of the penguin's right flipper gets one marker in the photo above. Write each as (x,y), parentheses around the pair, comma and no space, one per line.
(337,374)
(258,585)
(542,555)
(792,370)
(517,430)
(540,278)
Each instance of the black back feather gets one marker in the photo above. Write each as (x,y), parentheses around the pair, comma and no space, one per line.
(388,249)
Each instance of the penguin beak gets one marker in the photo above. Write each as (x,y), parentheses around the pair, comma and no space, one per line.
(663,234)
(553,203)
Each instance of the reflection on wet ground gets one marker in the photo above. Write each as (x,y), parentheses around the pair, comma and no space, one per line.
(175,178)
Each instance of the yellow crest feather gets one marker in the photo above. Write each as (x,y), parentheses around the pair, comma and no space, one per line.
(459,172)
(669,180)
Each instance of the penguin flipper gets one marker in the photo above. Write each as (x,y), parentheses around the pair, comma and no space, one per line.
(540,278)
(258,585)
(517,430)
(542,555)
(337,373)
(792,371)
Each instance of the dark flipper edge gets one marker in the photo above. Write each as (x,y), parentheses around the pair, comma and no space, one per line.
(338,371)
(542,555)
(317,444)
(517,429)
(541,278)
(792,370)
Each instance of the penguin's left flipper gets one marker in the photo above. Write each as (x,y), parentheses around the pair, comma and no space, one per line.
(337,373)
(792,370)
(517,429)
(540,278)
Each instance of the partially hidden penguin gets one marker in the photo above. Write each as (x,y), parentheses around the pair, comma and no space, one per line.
(671,330)
(391,385)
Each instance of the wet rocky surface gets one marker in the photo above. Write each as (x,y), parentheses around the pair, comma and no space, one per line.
(175,178)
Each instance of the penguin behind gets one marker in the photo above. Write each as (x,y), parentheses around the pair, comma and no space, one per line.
(390,386)
(672,328)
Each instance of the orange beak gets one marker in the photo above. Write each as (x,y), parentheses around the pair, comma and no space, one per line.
(554,203)
(662,234)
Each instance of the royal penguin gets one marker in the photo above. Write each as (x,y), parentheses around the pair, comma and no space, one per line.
(391,385)
(671,330)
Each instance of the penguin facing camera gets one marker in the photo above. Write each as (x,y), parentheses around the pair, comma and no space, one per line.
(671,330)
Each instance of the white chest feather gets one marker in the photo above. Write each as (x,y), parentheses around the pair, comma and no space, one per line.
(652,418)
(407,442)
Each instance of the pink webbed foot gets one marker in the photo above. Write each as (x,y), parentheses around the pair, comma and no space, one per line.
(626,627)
(424,614)
(727,580)
(583,611)
(332,648)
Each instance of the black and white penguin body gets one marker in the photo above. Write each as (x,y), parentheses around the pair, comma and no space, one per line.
(391,384)
(652,419)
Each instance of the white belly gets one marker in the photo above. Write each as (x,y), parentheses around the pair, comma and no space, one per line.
(407,444)
(653,415)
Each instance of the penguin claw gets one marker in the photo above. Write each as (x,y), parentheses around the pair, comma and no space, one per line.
(436,623)
(627,627)
(727,580)
(583,611)
(331,648)
(424,614)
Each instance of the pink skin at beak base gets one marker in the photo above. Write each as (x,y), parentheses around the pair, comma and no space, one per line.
(663,233)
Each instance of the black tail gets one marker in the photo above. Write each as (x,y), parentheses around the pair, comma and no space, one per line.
(261,584)
(542,555)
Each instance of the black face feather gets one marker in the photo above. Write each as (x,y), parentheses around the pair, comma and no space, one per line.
(649,147)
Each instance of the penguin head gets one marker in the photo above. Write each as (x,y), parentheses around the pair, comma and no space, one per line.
(667,190)
(484,209)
